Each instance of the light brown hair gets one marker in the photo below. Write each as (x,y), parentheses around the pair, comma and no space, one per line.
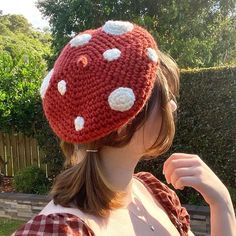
(83,185)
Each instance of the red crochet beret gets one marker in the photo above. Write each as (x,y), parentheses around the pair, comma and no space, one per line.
(100,81)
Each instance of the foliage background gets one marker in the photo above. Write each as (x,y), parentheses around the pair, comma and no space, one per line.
(24,53)
(195,33)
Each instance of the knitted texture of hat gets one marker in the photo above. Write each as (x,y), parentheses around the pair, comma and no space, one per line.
(100,81)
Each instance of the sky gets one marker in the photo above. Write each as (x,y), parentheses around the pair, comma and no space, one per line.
(26,8)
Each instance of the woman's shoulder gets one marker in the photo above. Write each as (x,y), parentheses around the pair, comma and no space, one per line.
(168,199)
(51,221)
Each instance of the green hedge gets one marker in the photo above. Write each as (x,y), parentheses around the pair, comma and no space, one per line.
(206,126)
(207,118)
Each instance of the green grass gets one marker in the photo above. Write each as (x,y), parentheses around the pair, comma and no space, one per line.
(9,226)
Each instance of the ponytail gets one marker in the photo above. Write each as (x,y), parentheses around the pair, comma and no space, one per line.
(84,186)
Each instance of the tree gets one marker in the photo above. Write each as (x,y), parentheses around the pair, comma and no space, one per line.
(18,37)
(16,23)
(196,33)
(22,67)
(23,55)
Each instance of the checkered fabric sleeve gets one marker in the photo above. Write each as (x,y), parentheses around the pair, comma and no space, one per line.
(59,224)
(168,199)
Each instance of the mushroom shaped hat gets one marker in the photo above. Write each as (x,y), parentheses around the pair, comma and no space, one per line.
(101,80)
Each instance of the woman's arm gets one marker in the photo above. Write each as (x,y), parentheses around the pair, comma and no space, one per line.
(223,218)
(183,169)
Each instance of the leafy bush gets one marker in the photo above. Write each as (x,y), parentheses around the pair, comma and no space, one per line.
(32,179)
(19,82)
(23,55)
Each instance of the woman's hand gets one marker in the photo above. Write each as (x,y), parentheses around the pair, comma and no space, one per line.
(189,170)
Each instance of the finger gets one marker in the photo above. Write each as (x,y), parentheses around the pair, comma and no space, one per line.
(175,164)
(182,172)
(180,163)
(186,181)
(176,156)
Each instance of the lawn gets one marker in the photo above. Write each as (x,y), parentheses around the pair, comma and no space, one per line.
(9,226)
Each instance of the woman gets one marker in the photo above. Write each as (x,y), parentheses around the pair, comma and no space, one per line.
(111,99)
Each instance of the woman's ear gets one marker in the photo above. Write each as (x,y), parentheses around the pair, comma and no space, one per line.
(121,129)
(78,155)
(173,105)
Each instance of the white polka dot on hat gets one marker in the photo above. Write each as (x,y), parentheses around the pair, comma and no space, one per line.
(101,80)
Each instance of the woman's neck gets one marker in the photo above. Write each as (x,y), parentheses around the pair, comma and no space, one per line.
(118,166)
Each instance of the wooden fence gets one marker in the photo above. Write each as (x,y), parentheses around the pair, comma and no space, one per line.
(17,152)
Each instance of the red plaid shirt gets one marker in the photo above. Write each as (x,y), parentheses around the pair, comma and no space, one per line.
(62,224)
